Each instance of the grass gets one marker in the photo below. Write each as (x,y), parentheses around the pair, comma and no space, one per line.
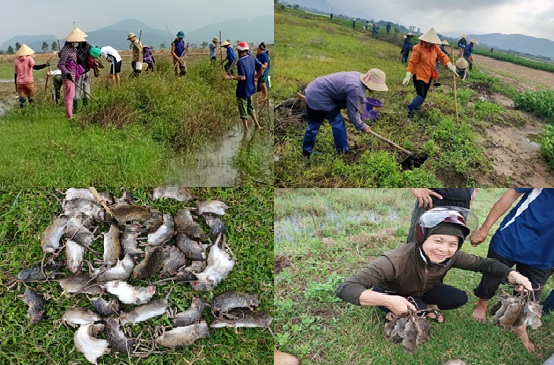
(310,46)
(135,135)
(323,236)
(25,215)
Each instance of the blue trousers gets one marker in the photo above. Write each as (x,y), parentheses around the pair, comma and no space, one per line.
(421,88)
(315,120)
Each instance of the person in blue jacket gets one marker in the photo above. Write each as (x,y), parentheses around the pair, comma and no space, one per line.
(406,47)
(262,56)
(231,57)
(468,53)
(524,239)
(462,43)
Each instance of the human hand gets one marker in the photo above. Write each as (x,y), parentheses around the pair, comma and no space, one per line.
(452,68)
(406,80)
(366,129)
(516,278)
(479,236)
(423,195)
(399,305)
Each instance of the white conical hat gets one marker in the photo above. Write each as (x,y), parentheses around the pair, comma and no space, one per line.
(430,37)
(24,50)
(79,30)
(445,42)
(76,35)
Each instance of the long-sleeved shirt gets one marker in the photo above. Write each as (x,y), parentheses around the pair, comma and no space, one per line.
(231,56)
(68,62)
(422,62)
(137,51)
(406,272)
(341,89)
(468,50)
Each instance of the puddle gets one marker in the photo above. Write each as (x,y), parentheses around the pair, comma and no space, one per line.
(532,139)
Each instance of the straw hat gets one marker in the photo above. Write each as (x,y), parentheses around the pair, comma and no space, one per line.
(374,79)
(409,35)
(461,63)
(79,30)
(215,40)
(464,36)
(24,50)
(404,36)
(226,43)
(474,41)
(76,35)
(445,42)
(430,37)
(131,35)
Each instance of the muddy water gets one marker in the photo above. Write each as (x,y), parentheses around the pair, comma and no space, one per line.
(213,166)
(532,139)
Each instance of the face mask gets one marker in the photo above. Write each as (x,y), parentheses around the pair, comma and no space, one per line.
(75,44)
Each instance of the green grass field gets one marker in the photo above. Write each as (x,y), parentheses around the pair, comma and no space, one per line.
(445,148)
(140,134)
(25,215)
(323,236)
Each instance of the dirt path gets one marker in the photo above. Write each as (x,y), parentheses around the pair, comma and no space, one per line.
(516,158)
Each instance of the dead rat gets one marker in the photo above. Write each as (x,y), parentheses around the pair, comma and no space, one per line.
(215,224)
(77,229)
(128,294)
(184,223)
(183,336)
(116,338)
(112,246)
(144,312)
(52,235)
(35,274)
(219,265)
(129,240)
(224,303)
(173,192)
(162,234)
(152,263)
(174,260)
(77,316)
(154,222)
(192,314)
(80,284)
(245,318)
(216,207)
(121,271)
(124,212)
(88,345)
(192,249)
(103,307)
(74,253)
(36,303)
(84,207)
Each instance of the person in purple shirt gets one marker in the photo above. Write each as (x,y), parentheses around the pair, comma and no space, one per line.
(327,95)
(249,70)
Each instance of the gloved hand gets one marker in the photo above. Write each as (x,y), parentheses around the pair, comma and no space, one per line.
(517,279)
(47,63)
(452,68)
(406,80)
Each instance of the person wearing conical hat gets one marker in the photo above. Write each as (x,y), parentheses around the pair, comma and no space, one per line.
(230,58)
(406,47)
(443,45)
(461,68)
(421,68)
(462,43)
(213,48)
(71,71)
(327,95)
(262,55)
(23,74)
(179,52)
(136,61)
(468,52)
(82,85)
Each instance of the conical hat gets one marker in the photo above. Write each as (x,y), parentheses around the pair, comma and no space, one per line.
(445,42)
(474,41)
(79,30)
(76,35)
(24,50)
(461,63)
(430,37)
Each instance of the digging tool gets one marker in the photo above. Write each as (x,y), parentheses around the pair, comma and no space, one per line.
(220,50)
(83,90)
(455,93)
(231,67)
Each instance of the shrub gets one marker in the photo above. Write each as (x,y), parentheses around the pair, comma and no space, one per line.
(540,103)
(547,145)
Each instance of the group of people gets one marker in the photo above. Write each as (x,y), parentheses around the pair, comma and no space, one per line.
(77,58)
(411,277)
(327,95)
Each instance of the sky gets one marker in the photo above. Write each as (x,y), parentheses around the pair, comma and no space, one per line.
(57,17)
(530,17)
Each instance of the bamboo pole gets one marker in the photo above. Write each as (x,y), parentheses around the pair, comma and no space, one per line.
(455,93)
(220,49)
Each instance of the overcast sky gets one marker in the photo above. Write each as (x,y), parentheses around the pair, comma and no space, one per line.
(35,17)
(529,17)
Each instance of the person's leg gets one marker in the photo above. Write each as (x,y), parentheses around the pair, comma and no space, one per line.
(183,68)
(117,79)
(86,88)
(57,87)
(69,94)
(242,104)
(445,297)
(315,119)
(250,110)
(78,93)
(487,288)
(30,92)
(418,99)
(339,130)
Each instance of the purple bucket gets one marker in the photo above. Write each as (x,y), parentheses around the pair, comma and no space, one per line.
(373,104)
(370,114)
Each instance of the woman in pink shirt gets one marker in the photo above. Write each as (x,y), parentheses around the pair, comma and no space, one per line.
(23,76)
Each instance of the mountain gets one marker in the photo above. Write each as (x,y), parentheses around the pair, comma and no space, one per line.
(322,6)
(253,30)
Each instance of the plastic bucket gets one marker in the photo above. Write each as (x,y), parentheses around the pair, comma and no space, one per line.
(138,66)
(373,104)
(370,114)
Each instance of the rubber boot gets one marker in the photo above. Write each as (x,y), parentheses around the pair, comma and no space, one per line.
(22,101)
(30,101)
(85,102)
(75,105)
